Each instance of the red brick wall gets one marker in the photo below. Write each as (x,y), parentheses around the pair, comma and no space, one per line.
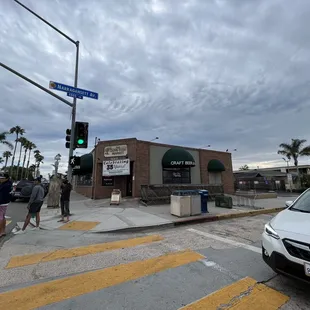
(227,176)
(142,166)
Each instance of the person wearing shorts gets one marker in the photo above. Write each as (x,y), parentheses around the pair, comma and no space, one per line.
(34,206)
(5,198)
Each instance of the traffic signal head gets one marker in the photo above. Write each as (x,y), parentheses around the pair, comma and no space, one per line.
(81,135)
(68,138)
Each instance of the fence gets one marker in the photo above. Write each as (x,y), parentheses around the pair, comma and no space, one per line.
(154,194)
(245,199)
(260,184)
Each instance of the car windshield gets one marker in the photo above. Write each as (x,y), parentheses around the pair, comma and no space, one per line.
(303,203)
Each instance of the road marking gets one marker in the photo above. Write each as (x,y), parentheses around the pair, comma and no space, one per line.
(242,295)
(43,294)
(31,259)
(228,241)
(79,225)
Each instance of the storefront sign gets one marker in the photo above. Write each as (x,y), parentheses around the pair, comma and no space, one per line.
(115,150)
(182,163)
(116,167)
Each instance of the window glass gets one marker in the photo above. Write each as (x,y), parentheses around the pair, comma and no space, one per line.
(176,176)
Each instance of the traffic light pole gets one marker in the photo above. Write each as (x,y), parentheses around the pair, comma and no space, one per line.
(73,116)
(77,44)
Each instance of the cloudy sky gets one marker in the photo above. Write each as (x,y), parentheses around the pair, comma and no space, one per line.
(229,73)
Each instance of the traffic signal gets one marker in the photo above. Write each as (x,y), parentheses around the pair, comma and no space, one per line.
(68,138)
(81,135)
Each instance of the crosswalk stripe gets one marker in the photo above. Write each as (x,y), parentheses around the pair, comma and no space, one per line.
(79,225)
(242,295)
(31,259)
(43,294)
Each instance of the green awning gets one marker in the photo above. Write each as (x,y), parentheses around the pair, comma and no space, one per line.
(177,157)
(86,165)
(215,165)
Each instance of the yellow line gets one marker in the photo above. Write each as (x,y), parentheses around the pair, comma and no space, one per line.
(31,259)
(79,225)
(242,295)
(43,294)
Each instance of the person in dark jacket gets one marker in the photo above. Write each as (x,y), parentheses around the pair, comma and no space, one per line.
(5,198)
(65,201)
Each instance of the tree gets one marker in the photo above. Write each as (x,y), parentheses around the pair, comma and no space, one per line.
(26,145)
(6,155)
(18,132)
(23,142)
(244,168)
(31,146)
(294,150)
(39,159)
(4,141)
(1,160)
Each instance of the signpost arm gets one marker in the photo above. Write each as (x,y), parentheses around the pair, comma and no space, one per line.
(72,140)
(36,84)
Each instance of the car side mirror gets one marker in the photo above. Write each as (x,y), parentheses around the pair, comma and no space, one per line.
(288,203)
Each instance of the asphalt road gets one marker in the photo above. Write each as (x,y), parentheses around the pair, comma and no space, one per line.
(185,268)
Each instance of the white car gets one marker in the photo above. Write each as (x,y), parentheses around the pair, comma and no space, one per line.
(286,239)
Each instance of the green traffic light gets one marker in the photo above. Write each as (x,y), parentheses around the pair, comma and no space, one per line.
(80,141)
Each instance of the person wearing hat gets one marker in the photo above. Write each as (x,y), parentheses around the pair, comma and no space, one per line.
(5,198)
(34,205)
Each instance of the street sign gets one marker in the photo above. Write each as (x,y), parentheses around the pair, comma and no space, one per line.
(75,161)
(73,90)
(73,95)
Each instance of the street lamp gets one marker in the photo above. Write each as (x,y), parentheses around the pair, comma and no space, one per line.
(156,138)
(204,147)
(234,150)
(77,44)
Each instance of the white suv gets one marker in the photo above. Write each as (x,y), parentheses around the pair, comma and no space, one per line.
(286,239)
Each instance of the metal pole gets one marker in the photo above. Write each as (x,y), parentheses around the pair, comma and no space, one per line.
(69,176)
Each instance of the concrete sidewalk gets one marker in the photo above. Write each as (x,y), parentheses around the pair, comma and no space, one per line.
(98,216)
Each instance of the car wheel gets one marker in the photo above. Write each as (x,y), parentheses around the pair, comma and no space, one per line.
(26,191)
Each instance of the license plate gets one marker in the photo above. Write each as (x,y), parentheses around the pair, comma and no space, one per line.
(307,269)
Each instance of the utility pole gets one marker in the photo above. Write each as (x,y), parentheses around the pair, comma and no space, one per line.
(73,116)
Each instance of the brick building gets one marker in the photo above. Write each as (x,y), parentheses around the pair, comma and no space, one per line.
(127,164)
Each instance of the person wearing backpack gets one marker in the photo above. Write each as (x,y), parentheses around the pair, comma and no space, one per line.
(5,197)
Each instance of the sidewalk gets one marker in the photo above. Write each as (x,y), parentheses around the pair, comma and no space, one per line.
(98,216)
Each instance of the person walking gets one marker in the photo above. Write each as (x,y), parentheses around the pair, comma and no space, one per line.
(5,198)
(65,201)
(34,205)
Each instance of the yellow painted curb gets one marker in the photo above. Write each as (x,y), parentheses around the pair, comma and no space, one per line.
(248,213)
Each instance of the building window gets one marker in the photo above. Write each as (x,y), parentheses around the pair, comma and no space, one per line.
(84,180)
(215,178)
(177,175)
(107,181)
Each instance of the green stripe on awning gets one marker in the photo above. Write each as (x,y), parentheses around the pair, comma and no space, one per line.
(177,157)
(215,165)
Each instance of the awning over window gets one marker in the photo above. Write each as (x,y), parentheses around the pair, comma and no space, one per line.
(215,165)
(86,165)
(177,157)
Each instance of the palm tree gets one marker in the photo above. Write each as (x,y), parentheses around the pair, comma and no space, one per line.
(4,141)
(18,132)
(26,147)
(31,146)
(39,159)
(32,169)
(294,151)
(6,155)
(244,168)
(1,160)
(23,142)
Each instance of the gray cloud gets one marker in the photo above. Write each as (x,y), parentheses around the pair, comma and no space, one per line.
(230,73)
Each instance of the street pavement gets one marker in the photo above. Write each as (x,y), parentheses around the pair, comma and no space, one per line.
(214,265)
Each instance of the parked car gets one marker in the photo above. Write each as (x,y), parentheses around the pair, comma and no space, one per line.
(24,188)
(286,239)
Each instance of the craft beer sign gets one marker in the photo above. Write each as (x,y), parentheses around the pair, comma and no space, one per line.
(116,167)
(182,163)
(115,150)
